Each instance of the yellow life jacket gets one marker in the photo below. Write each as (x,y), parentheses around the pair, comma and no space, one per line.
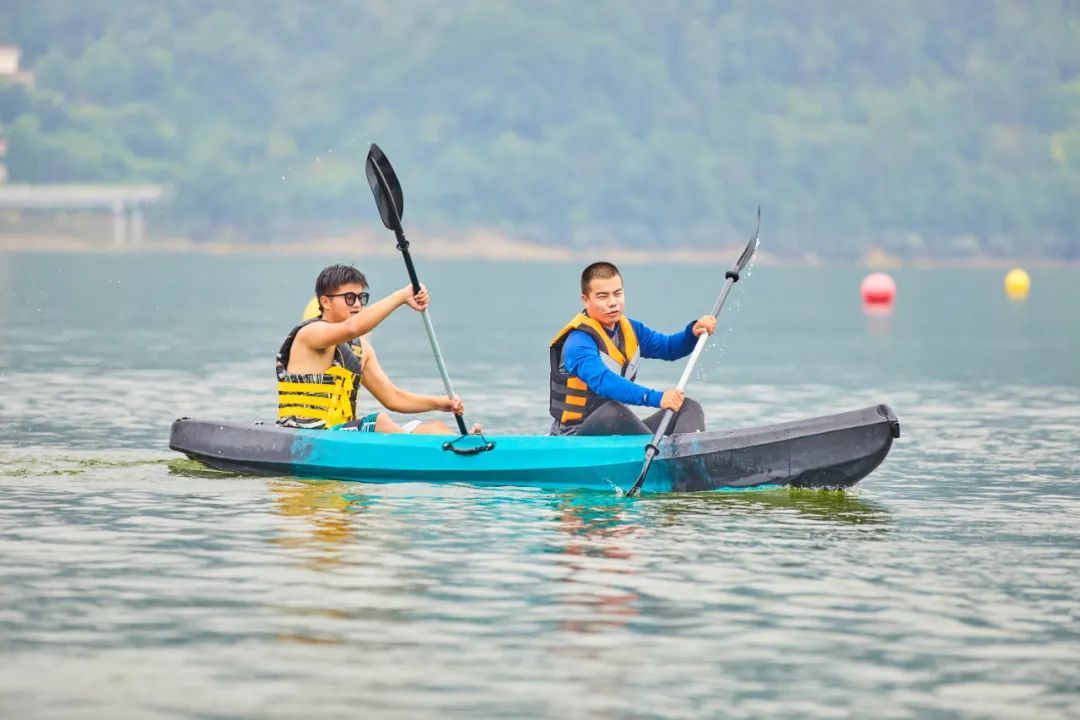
(319,400)
(571,401)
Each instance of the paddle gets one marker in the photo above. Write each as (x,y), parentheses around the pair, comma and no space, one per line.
(732,277)
(391,203)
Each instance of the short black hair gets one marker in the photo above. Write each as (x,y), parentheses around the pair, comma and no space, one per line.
(333,277)
(602,270)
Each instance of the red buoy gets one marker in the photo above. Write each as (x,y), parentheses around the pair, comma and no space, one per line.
(878,289)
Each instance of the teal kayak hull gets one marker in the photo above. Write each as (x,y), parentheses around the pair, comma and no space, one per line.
(833,451)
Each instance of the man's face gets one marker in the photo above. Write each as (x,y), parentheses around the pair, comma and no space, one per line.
(604,301)
(335,304)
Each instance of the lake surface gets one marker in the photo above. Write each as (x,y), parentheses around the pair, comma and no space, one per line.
(134,583)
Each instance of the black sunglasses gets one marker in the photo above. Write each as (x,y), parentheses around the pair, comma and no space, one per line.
(351,298)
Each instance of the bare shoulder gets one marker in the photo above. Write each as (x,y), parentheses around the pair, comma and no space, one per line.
(306,334)
(369,350)
(320,336)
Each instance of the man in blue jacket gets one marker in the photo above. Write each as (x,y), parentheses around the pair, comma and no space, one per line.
(594,362)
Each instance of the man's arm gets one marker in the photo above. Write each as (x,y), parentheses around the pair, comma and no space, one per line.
(581,358)
(322,335)
(390,396)
(665,347)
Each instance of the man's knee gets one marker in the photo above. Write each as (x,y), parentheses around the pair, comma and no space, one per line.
(612,418)
(691,417)
(691,406)
(432,427)
(384,424)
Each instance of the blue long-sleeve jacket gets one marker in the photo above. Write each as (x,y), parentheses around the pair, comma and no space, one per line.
(581,357)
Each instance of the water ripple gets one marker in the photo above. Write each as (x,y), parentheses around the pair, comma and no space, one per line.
(138,584)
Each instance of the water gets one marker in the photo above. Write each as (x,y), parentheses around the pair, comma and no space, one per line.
(134,583)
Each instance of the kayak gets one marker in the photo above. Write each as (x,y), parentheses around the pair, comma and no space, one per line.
(828,452)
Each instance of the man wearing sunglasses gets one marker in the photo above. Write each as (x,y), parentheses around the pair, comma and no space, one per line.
(325,360)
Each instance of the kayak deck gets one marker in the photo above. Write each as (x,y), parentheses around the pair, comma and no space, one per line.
(833,451)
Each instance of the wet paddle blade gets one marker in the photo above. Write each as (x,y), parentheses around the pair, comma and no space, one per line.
(385,187)
(751,247)
(649,455)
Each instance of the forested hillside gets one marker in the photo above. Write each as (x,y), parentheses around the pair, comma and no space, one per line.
(922,127)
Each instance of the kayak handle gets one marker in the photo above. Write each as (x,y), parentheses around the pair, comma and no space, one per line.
(484,446)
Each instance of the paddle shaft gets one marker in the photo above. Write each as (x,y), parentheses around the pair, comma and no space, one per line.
(390,201)
(689,369)
(732,277)
(654,446)
(403,246)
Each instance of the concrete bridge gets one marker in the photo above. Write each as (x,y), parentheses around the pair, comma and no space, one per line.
(124,201)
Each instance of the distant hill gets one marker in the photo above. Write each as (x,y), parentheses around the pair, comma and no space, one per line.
(914,126)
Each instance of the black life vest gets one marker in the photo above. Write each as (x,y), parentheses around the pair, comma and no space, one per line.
(571,401)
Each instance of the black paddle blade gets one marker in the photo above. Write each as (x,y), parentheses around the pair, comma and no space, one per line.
(385,187)
(650,453)
(751,247)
